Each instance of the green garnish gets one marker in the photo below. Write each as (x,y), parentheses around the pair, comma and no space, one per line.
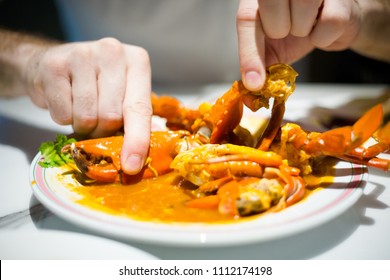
(52,155)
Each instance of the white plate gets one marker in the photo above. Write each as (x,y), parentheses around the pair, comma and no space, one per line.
(58,245)
(317,209)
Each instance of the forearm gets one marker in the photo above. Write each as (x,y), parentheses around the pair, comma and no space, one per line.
(373,39)
(17,54)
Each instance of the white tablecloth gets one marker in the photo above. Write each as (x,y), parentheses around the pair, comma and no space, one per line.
(361,232)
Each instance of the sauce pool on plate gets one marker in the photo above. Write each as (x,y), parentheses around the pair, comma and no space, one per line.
(163,199)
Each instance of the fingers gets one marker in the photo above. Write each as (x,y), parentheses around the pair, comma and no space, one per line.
(283,31)
(280,18)
(84,92)
(303,16)
(137,111)
(111,82)
(336,25)
(250,45)
(98,87)
(52,88)
(324,22)
(98,77)
(275,18)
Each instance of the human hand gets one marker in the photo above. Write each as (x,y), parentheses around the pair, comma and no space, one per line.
(97,87)
(283,31)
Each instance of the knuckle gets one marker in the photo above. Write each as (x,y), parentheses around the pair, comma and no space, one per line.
(336,20)
(141,54)
(59,111)
(111,119)
(109,127)
(247,14)
(321,42)
(111,46)
(84,123)
(140,108)
(298,32)
(57,65)
(109,42)
(335,23)
(139,59)
(62,118)
(79,53)
(278,33)
(60,62)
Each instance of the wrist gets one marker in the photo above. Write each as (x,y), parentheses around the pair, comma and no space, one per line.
(18,60)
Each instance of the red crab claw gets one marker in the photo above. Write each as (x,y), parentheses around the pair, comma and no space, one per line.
(347,143)
(99,159)
(340,141)
(170,108)
(226,113)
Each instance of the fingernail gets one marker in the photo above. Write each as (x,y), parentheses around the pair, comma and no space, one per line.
(252,80)
(133,164)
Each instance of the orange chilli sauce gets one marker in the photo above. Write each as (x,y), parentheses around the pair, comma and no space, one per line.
(163,199)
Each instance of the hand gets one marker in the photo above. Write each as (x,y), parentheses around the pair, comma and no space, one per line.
(283,31)
(97,87)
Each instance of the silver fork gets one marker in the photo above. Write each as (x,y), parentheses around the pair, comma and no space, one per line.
(17,219)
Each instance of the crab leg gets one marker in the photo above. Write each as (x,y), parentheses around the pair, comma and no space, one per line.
(339,141)
(178,116)
(345,143)
(380,163)
(231,152)
(272,127)
(299,191)
(212,161)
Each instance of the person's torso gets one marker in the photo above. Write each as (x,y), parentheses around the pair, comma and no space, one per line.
(191,41)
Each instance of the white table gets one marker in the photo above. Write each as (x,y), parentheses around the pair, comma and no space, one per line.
(362,232)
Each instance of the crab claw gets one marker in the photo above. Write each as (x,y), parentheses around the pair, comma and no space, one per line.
(99,159)
(339,141)
(98,168)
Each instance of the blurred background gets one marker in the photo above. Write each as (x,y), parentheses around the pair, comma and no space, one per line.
(41,17)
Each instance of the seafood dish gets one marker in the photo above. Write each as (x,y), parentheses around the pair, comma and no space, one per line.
(207,167)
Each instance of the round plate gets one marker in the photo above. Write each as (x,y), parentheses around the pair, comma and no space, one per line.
(320,207)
